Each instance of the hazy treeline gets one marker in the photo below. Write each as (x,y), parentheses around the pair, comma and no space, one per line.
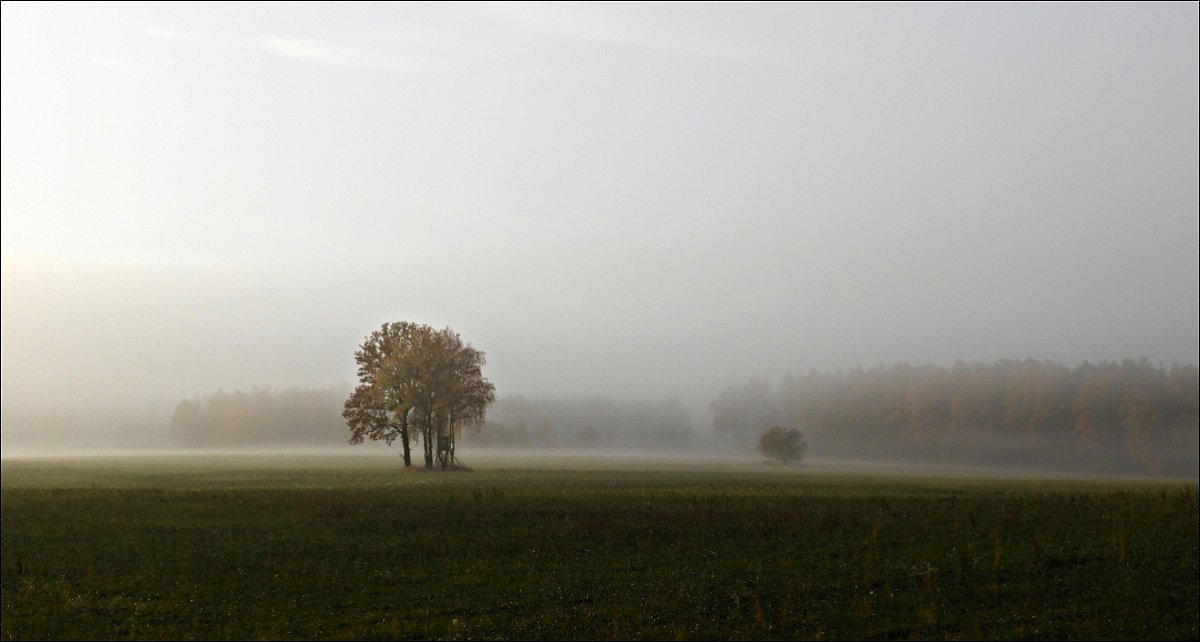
(585,422)
(68,428)
(296,416)
(1127,416)
(313,416)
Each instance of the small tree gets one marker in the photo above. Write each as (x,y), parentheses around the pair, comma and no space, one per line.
(785,444)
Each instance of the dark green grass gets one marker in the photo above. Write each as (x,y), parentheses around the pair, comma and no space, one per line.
(353,548)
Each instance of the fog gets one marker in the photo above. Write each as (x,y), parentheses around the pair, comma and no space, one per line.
(637,202)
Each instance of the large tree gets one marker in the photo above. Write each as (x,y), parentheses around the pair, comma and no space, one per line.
(416,383)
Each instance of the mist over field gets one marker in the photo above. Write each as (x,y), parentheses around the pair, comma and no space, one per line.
(630,209)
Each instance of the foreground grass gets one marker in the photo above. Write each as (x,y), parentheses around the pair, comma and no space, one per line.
(351,548)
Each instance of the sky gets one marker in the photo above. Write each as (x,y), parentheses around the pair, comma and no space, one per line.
(627,200)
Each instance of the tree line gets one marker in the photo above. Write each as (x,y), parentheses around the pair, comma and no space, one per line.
(1120,416)
(313,416)
(295,416)
(518,421)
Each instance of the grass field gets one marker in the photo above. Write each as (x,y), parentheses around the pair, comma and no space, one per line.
(351,547)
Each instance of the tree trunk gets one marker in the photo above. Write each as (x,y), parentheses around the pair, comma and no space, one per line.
(428,440)
(442,446)
(404,443)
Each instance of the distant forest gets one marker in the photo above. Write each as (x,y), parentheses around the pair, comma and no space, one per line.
(295,416)
(1129,416)
(586,422)
(313,416)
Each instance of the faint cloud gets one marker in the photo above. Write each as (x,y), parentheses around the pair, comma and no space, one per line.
(328,52)
(443,40)
(160,33)
(122,65)
(174,35)
(335,53)
(623,25)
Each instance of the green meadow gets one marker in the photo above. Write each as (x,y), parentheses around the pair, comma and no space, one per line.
(352,547)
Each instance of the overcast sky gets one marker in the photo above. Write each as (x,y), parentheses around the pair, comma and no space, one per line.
(631,200)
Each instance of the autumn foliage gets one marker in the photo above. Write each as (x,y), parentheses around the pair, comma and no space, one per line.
(418,384)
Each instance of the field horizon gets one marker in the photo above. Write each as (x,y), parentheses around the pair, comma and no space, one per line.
(385,459)
(348,547)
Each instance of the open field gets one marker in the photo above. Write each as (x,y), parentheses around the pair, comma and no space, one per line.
(306,546)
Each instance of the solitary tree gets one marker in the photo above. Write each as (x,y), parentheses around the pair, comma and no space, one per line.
(785,444)
(417,384)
